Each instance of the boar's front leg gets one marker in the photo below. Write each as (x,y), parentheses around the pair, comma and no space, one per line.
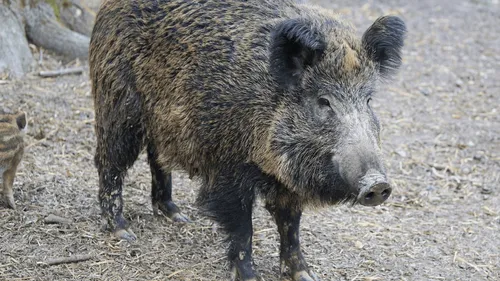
(240,250)
(288,221)
(229,201)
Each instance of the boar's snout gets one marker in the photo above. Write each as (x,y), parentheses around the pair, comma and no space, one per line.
(363,172)
(374,189)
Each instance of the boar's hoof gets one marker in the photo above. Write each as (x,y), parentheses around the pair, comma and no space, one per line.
(305,276)
(125,234)
(170,210)
(9,199)
(179,217)
(244,271)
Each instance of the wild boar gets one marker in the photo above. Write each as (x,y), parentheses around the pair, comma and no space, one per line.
(255,98)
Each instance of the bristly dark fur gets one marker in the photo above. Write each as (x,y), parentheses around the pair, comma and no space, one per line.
(228,91)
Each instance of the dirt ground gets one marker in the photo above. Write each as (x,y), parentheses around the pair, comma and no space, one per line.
(441,139)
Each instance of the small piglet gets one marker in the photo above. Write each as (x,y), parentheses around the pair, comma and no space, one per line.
(12,128)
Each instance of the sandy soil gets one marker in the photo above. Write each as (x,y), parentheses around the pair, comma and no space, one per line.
(441,139)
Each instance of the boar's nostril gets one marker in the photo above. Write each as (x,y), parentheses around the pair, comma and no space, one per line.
(386,193)
(369,196)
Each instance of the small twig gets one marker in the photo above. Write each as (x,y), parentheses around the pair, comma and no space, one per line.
(101,262)
(40,57)
(75,258)
(470,264)
(54,73)
(56,219)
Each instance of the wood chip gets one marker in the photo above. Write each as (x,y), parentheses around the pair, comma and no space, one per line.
(72,259)
(56,219)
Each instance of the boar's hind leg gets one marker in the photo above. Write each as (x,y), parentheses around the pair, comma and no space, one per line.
(119,141)
(161,192)
(229,201)
(288,221)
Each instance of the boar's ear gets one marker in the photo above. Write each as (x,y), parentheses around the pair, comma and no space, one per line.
(295,45)
(384,41)
(21,120)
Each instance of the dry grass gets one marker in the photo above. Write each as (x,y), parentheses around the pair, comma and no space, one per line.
(441,139)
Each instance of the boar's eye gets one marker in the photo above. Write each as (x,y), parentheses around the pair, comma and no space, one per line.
(324,102)
(368,101)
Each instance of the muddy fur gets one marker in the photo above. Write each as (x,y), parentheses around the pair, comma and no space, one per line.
(252,97)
